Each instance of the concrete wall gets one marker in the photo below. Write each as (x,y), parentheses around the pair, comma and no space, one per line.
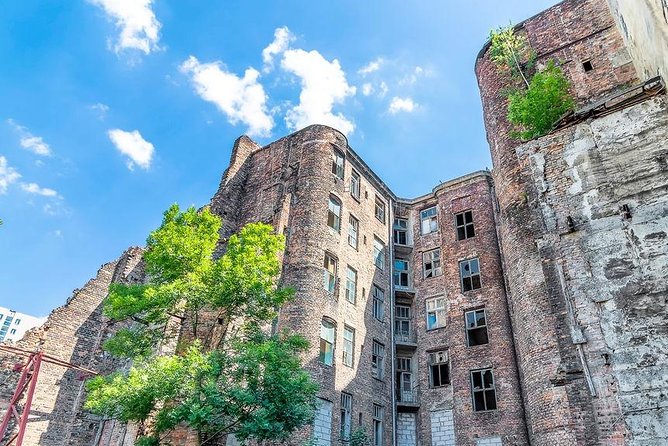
(644,26)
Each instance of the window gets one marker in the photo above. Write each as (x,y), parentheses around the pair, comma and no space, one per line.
(330,273)
(346,415)
(404,381)
(351,285)
(377,360)
(476,328)
(355,185)
(439,370)
(431,263)
(12,331)
(348,345)
(380,209)
(464,223)
(327,331)
(402,322)
(587,66)
(334,213)
(435,313)
(469,271)
(429,220)
(378,253)
(353,231)
(664,4)
(17,321)
(483,390)
(378,303)
(378,413)
(337,163)
(400,272)
(401,231)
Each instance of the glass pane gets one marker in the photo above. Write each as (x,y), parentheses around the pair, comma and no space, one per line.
(480,316)
(475,283)
(459,219)
(470,232)
(490,399)
(468,215)
(431,320)
(466,284)
(488,379)
(478,401)
(470,319)
(477,380)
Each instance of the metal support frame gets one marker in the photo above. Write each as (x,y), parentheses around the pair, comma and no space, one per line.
(26,386)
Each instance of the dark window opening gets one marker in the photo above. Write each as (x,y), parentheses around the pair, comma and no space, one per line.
(464,223)
(483,390)
(587,66)
(469,271)
(476,328)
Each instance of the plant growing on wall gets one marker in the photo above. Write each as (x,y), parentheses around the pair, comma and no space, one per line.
(545,97)
(359,437)
(227,374)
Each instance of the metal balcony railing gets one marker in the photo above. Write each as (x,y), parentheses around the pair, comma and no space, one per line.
(405,336)
(407,396)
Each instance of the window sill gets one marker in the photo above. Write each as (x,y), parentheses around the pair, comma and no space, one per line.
(485,411)
(429,330)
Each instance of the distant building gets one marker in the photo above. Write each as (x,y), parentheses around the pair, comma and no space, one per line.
(13,325)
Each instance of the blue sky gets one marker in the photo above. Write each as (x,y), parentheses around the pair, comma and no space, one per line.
(111,110)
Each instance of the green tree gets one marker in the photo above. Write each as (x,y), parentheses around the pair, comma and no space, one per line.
(534,111)
(227,374)
(510,51)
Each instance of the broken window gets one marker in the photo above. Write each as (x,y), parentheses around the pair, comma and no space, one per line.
(476,328)
(348,345)
(401,273)
(334,213)
(355,185)
(330,272)
(439,369)
(587,66)
(380,209)
(402,323)
(337,163)
(469,271)
(327,331)
(404,380)
(378,303)
(431,263)
(351,285)
(435,312)
(464,222)
(353,231)
(429,220)
(346,415)
(482,390)
(378,253)
(400,231)
(377,360)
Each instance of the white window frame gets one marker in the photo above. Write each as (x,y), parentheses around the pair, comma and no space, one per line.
(399,273)
(377,360)
(463,274)
(355,185)
(378,302)
(438,359)
(379,253)
(378,431)
(429,220)
(330,277)
(431,263)
(438,307)
(380,209)
(348,346)
(338,163)
(326,327)
(333,216)
(353,231)
(351,284)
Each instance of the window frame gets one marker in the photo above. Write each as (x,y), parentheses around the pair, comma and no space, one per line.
(437,310)
(322,357)
(381,303)
(336,168)
(398,229)
(434,269)
(476,326)
(431,364)
(378,425)
(380,209)
(336,218)
(465,226)
(351,342)
(346,416)
(378,360)
(355,179)
(331,279)
(470,275)
(429,218)
(400,273)
(483,390)
(380,255)
(353,228)
(352,299)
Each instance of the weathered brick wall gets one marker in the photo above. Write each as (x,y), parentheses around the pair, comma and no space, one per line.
(555,357)
(470,193)
(72,333)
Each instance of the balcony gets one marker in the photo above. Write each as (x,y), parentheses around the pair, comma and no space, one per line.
(406,337)
(403,250)
(408,400)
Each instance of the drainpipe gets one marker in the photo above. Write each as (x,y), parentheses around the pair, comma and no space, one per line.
(390,226)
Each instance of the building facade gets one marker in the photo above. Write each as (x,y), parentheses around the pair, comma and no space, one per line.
(14,325)
(522,306)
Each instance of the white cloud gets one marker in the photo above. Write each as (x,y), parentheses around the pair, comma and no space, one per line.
(323,85)
(134,146)
(401,105)
(383,89)
(282,39)
(8,175)
(101,110)
(137,22)
(34,188)
(412,78)
(367,89)
(241,99)
(372,66)
(29,141)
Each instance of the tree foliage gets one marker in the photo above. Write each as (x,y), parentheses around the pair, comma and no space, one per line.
(535,110)
(228,376)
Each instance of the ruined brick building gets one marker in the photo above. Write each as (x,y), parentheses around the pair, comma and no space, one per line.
(522,306)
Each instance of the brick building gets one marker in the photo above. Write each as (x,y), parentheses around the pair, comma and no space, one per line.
(526,305)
